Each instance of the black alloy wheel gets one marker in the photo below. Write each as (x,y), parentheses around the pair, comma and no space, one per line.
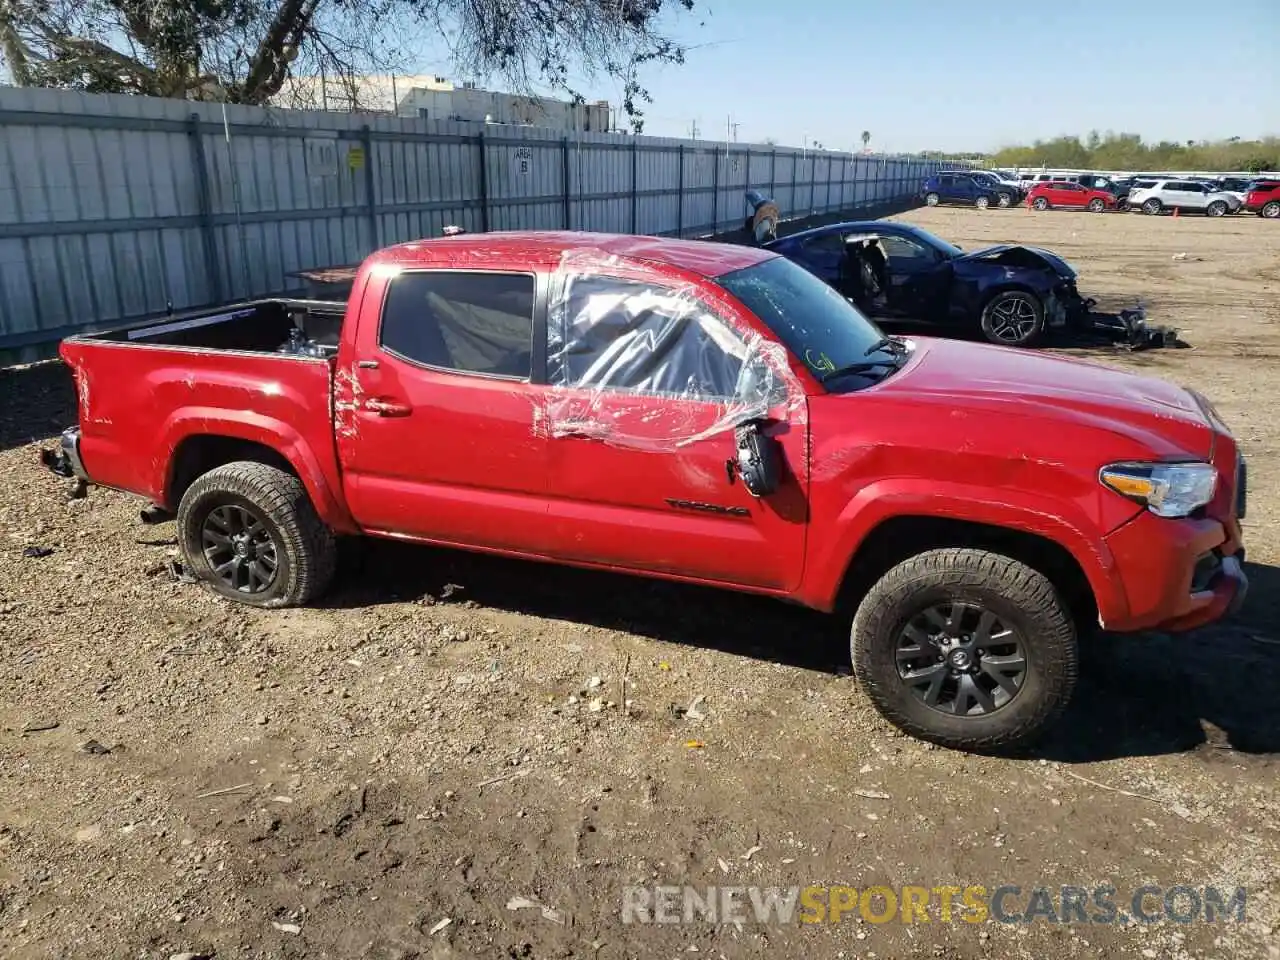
(239,548)
(961,659)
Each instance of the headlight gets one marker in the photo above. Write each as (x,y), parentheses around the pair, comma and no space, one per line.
(1166,489)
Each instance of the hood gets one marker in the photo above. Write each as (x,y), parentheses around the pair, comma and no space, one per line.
(1012,255)
(1163,417)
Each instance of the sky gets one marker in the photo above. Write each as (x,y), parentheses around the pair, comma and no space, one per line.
(960,75)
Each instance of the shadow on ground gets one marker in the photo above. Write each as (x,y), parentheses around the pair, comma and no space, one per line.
(36,403)
(1215,689)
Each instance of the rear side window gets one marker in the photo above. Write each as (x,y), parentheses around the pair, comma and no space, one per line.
(478,323)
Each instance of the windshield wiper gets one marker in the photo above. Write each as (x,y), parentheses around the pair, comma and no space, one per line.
(896,347)
(862,366)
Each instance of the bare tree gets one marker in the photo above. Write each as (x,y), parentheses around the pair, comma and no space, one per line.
(243,51)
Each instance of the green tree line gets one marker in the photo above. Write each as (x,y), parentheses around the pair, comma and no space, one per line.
(1127,151)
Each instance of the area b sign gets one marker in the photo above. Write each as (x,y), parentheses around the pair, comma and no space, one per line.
(524,161)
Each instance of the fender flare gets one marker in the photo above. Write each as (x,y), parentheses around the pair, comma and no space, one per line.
(279,436)
(1018,511)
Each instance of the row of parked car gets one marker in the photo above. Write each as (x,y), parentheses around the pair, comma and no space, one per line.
(1214,197)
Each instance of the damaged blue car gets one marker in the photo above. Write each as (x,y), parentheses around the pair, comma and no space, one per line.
(1013,295)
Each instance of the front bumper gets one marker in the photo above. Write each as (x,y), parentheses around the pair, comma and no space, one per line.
(1178,575)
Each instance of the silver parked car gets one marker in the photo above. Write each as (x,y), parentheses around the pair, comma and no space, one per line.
(1189,195)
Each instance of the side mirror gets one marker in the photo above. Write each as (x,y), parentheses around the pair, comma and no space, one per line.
(759,459)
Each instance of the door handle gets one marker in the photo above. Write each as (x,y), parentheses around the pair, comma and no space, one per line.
(387,408)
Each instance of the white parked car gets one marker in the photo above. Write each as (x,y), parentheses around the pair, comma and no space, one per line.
(1183,195)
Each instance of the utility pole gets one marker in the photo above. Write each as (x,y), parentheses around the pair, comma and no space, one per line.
(693,130)
(735,125)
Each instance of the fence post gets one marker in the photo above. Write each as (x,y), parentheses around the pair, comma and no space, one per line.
(795,205)
(773,171)
(564,165)
(635,184)
(844,176)
(680,197)
(813,184)
(827,205)
(484,182)
(208,236)
(366,138)
(715,186)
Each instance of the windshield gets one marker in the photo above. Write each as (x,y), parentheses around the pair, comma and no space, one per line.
(948,250)
(814,322)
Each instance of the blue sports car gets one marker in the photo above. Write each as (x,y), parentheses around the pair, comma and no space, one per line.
(894,271)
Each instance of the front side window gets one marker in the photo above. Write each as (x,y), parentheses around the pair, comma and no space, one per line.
(606,333)
(480,323)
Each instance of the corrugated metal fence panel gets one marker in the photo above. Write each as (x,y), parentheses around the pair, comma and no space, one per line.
(113,207)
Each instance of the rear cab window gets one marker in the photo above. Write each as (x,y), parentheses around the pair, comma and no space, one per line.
(463,322)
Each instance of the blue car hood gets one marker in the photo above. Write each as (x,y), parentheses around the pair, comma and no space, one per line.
(1015,256)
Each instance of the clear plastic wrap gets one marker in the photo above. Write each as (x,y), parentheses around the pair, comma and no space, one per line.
(637,362)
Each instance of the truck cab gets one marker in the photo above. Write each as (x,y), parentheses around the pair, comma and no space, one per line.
(701,412)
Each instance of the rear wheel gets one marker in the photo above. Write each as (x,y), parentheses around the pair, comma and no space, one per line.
(1152,207)
(1270,210)
(1040,203)
(982,203)
(966,648)
(1216,209)
(251,533)
(932,199)
(1014,318)
(1097,205)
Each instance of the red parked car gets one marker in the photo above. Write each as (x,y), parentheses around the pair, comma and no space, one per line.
(1070,196)
(1263,198)
(696,411)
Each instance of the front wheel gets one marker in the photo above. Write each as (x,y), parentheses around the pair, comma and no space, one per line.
(1097,206)
(1216,209)
(1040,203)
(1014,318)
(1004,201)
(982,203)
(966,648)
(250,532)
(931,199)
(1152,207)
(1270,210)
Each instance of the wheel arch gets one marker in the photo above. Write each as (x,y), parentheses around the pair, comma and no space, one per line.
(897,538)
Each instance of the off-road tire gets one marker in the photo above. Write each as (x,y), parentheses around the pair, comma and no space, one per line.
(1022,597)
(1270,210)
(1040,203)
(1218,208)
(990,319)
(1152,207)
(932,199)
(305,548)
(982,203)
(1097,205)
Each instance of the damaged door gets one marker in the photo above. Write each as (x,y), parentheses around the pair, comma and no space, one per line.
(435,410)
(919,279)
(647,387)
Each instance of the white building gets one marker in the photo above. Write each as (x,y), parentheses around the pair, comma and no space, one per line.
(436,98)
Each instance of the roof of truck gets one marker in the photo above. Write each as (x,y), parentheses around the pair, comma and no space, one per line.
(549,248)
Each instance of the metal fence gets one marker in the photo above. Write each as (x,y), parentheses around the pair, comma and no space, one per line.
(114,208)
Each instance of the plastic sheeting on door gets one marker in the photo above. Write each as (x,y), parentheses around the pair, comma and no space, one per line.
(642,364)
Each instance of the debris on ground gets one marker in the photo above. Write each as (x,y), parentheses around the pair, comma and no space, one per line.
(439,926)
(872,794)
(526,903)
(180,572)
(39,726)
(37,553)
(286,927)
(94,747)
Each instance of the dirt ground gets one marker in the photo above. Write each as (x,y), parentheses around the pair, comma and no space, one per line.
(182,776)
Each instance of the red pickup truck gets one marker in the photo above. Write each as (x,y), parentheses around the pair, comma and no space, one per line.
(701,412)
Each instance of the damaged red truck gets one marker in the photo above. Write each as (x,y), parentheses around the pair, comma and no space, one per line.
(701,412)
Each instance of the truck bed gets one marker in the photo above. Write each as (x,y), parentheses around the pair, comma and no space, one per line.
(150,396)
(260,326)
